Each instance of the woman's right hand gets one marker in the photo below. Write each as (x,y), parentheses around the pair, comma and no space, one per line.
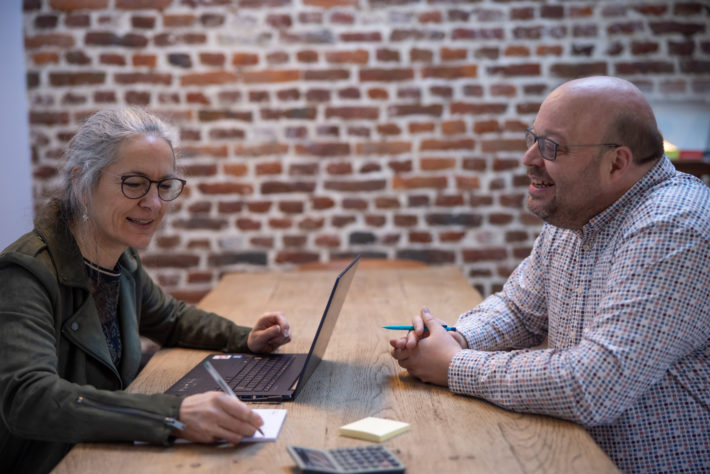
(213,417)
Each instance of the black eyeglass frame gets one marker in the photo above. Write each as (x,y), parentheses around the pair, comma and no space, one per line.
(158,182)
(542,144)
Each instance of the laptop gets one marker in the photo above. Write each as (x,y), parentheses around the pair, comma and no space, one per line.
(273,377)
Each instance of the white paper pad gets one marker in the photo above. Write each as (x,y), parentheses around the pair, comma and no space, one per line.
(273,420)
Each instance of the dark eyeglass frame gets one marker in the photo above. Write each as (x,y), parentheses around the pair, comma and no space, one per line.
(158,183)
(546,145)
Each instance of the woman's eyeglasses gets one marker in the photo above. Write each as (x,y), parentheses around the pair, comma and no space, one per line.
(135,186)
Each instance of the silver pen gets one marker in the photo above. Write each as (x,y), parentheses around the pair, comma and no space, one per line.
(222,384)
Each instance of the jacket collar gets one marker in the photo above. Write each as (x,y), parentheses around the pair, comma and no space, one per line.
(54,232)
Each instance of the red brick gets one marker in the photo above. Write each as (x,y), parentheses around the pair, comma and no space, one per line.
(291,207)
(386,75)
(390,129)
(41,59)
(358,56)
(235,169)
(331,3)
(352,113)
(417,182)
(274,187)
(467,183)
(451,72)
(62,79)
(359,37)
(143,4)
(328,240)
(409,220)
(432,16)
(498,145)
(352,203)
(73,5)
(147,60)
(354,186)
(323,149)
(54,40)
(484,254)
(208,78)
(326,75)
(339,168)
(225,188)
(573,70)
(451,236)
(451,54)
(172,39)
(245,59)
(311,223)
(178,20)
(320,203)
(436,164)
(246,224)
(265,242)
(269,168)
(270,76)
(294,241)
(383,148)
(143,78)
(517,50)
(229,207)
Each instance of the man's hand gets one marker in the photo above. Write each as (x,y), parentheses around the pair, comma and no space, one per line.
(213,417)
(271,331)
(427,354)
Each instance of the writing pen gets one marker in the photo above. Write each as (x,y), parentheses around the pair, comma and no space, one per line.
(411,328)
(222,384)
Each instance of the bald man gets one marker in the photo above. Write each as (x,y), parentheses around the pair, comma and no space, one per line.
(618,282)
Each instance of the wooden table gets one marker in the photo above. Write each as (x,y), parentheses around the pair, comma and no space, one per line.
(358,378)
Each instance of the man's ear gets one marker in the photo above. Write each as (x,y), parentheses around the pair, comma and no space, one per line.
(620,162)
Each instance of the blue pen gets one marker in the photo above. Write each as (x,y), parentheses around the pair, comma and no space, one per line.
(411,328)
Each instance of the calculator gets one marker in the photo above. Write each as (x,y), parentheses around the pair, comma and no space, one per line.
(360,460)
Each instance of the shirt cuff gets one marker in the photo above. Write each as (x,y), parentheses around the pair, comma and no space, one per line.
(464,371)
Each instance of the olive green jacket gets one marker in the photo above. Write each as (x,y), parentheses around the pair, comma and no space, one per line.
(58,385)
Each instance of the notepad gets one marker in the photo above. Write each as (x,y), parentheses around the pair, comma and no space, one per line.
(374,429)
(273,420)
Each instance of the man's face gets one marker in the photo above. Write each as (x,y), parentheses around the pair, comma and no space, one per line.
(569,191)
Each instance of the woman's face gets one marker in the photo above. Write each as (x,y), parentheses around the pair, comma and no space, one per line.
(120,222)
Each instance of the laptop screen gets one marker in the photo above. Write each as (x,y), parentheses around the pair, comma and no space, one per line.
(327,323)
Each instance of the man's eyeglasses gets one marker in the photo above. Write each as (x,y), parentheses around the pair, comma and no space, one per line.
(135,186)
(548,148)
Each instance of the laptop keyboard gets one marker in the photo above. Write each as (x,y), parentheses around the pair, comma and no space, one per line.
(260,375)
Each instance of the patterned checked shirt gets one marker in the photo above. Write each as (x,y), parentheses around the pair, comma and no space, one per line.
(625,304)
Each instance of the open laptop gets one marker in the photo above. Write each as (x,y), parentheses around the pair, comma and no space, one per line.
(275,377)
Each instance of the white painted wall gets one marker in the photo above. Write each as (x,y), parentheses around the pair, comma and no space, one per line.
(15,176)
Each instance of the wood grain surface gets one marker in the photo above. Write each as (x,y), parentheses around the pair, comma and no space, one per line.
(358,378)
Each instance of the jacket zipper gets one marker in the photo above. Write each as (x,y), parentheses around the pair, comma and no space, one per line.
(166,420)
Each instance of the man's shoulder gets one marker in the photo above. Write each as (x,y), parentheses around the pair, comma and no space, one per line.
(682,201)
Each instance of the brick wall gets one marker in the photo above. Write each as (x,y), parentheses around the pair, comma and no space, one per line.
(314,129)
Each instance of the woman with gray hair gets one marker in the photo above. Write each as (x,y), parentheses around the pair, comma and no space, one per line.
(75,300)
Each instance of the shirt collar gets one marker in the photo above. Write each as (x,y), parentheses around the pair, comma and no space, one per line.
(661,171)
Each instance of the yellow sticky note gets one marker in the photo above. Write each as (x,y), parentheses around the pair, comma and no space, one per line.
(374,429)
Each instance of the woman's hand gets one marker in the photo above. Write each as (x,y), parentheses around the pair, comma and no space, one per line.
(213,417)
(271,331)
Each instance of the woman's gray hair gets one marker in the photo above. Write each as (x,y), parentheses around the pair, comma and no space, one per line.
(95,146)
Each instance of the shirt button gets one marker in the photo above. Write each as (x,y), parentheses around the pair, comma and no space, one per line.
(75,326)
(585,248)
(579,290)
